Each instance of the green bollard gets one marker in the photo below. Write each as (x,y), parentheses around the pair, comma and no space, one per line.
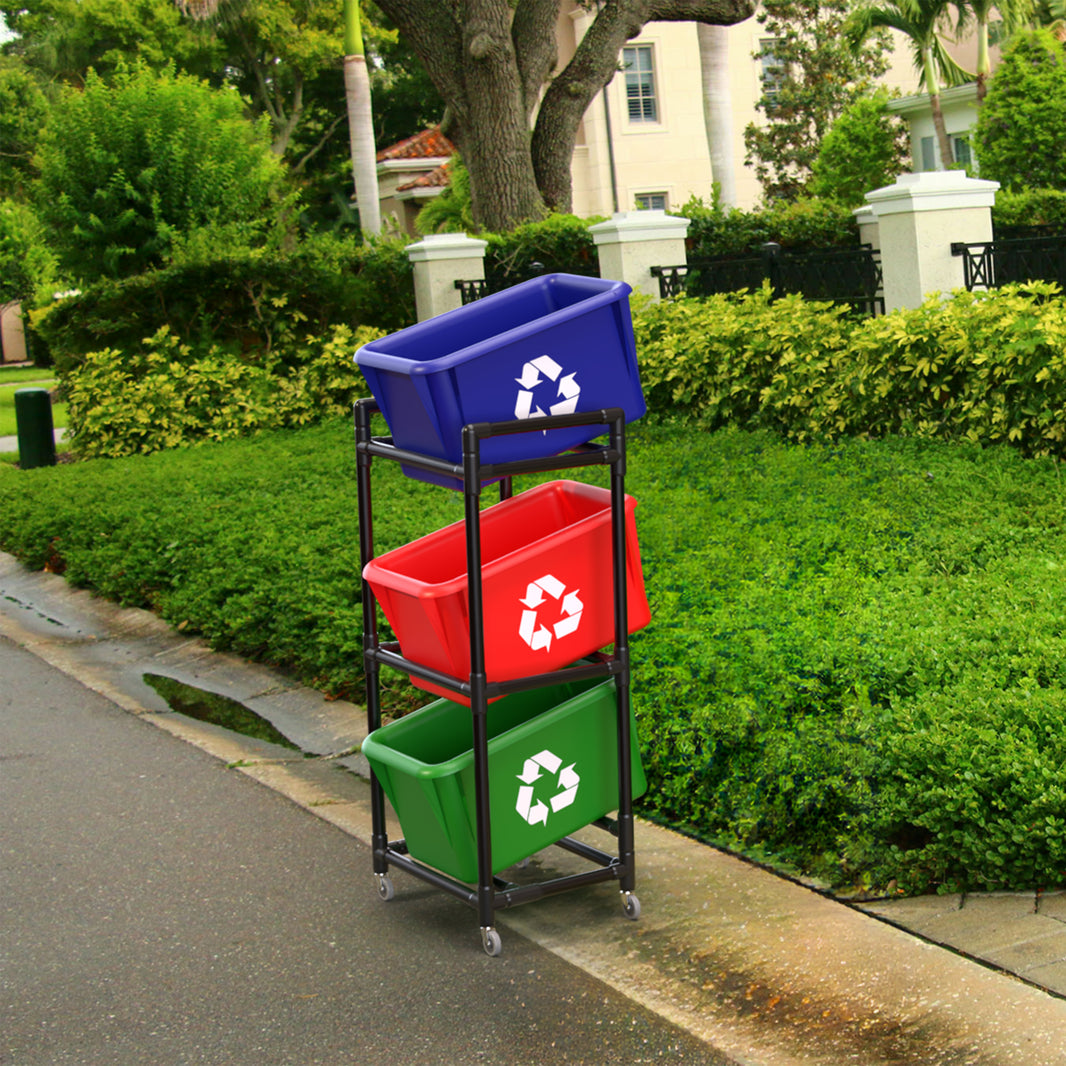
(36,434)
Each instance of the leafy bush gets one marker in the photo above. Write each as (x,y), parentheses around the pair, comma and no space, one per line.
(1021,127)
(26,261)
(126,165)
(798,225)
(1030,207)
(558,242)
(866,148)
(162,395)
(451,210)
(246,303)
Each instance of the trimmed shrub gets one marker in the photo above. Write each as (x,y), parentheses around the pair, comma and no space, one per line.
(248,304)
(560,243)
(163,395)
(799,225)
(1030,207)
(985,367)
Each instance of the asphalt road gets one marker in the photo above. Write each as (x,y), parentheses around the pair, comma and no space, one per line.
(159,908)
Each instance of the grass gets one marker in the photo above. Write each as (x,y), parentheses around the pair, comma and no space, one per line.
(10,375)
(14,378)
(856,664)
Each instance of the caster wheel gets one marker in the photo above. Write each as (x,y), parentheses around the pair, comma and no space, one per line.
(386,889)
(631,906)
(491,942)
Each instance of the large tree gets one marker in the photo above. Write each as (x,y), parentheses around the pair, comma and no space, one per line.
(492,59)
(813,76)
(1021,129)
(62,39)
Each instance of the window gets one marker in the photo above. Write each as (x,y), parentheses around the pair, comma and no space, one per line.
(928,154)
(772,70)
(651,201)
(961,147)
(640,83)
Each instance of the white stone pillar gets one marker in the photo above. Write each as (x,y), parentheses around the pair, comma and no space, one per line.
(918,219)
(440,261)
(12,335)
(632,242)
(869,231)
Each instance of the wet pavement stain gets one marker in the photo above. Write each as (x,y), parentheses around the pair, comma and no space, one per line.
(215,709)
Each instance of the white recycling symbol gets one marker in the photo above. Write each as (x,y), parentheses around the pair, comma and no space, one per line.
(537,635)
(568,389)
(534,812)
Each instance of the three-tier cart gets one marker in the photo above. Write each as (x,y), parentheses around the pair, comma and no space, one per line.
(526,748)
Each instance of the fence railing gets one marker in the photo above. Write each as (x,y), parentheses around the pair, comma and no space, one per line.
(849,276)
(496,282)
(989,264)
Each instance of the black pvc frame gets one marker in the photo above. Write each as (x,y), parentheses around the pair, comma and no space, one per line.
(492,893)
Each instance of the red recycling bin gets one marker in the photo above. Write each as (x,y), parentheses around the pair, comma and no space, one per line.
(546,583)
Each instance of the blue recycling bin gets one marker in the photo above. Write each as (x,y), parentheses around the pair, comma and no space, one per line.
(557,344)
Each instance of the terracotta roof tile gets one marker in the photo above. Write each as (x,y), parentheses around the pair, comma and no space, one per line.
(437,178)
(428,144)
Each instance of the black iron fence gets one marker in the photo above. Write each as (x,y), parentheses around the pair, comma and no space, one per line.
(849,276)
(496,282)
(989,264)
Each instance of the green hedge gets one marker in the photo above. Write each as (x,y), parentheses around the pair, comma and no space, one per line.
(1030,207)
(983,367)
(801,225)
(855,663)
(559,243)
(244,303)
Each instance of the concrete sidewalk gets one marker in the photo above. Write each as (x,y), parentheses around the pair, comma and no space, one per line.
(763,970)
(11,444)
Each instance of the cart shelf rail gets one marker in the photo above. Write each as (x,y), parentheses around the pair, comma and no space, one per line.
(491,893)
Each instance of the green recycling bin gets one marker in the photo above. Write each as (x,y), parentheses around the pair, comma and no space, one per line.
(553,768)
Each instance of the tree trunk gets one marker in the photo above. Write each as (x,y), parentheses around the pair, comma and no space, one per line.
(361,134)
(718,110)
(984,63)
(932,87)
(360,122)
(494,136)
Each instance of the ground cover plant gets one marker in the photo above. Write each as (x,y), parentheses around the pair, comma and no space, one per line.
(855,660)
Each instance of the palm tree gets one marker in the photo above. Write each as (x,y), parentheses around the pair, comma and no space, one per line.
(1013,13)
(921,22)
(360,121)
(718,109)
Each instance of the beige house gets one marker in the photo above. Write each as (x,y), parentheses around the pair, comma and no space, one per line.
(643,140)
